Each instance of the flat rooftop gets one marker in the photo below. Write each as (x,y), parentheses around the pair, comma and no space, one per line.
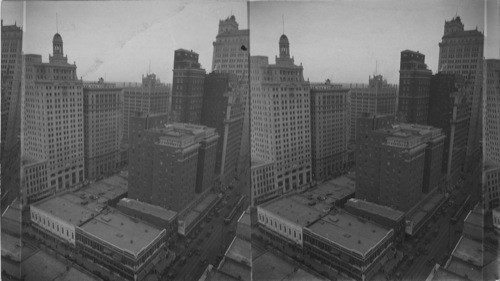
(337,189)
(240,251)
(11,246)
(293,210)
(475,217)
(441,274)
(69,208)
(109,188)
(123,232)
(149,209)
(350,232)
(373,208)
(12,213)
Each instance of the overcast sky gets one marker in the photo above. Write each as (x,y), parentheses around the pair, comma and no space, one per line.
(342,40)
(117,39)
(345,40)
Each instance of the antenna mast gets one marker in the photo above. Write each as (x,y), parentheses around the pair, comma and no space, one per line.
(57,24)
(283,18)
(149,67)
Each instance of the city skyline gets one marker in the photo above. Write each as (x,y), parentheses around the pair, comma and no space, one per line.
(156,28)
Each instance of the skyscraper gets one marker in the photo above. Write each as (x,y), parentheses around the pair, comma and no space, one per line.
(414,86)
(378,98)
(223,110)
(329,129)
(187,87)
(53,120)
(280,115)
(170,164)
(103,121)
(461,52)
(231,55)
(150,97)
(449,110)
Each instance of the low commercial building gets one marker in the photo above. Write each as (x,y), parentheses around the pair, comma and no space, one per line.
(107,191)
(382,215)
(349,244)
(263,187)
(417,217)
(333,193)
(286,217)
(124,245)
(196,212)
(155,215)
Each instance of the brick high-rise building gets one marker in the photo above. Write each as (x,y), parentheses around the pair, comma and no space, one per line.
(461,52)
(223,110)
(150,97)
(10,145)
(378,98)
(414,87)
(450,111)
(395,165)
(103,121)
(280,130)
(187,87)
(169,165)
(231,55)
(53,120)
(329,130)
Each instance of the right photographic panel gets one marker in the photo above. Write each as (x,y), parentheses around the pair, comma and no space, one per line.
(375,140)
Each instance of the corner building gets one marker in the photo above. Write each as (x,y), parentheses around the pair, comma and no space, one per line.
(170,165)
(280,115)
(53,118)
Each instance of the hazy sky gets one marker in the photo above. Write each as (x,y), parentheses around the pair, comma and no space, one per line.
(339,39)
(117,39)
(343,40)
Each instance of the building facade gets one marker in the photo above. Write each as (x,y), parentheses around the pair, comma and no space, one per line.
(34,185)
(169,165)
(329,130)
(280,115)
(492,113)
(414,87)
(263,186)
(449,110)
(53,118)
(187,87)
(378,98)
(461,52)
(150,97)
(223,110)
(103,120)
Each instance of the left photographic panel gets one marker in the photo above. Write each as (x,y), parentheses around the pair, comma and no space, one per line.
(125,140)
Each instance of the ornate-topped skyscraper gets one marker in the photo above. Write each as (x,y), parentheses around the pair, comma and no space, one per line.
(280,117)
(461,52)
(52,126)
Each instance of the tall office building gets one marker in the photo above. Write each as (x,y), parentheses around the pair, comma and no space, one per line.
(223,110)
(53,120)
(280,115)
(449,110)
(414,87)
(150,97)
(461,52)
(329,130)
(397,165)
(187,87)
(491,140)
(102,123)
(231,55)
(378,98)
(169,165)
(10,148)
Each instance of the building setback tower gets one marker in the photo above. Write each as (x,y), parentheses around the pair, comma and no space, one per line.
(53,121)
(103,121)
(450,111)
(329,130)
(170,164)
(151,97)
(378,98)
(223,110)
(461,52)
(187,87)
(280,130)
(414,86)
